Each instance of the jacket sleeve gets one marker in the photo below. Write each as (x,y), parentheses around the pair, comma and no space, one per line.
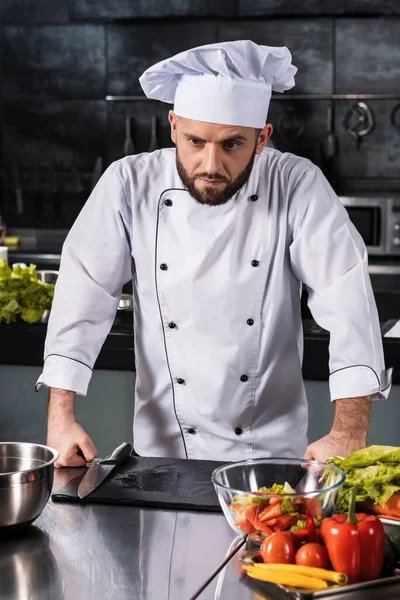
(329,256)
(96,261)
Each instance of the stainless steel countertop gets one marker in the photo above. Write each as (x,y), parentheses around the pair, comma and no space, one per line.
(100,552)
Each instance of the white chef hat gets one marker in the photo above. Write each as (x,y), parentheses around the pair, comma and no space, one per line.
(228,83)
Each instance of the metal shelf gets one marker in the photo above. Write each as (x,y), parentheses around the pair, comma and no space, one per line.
(281,97)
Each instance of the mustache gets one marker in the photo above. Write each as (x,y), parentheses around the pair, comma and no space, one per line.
(214,177)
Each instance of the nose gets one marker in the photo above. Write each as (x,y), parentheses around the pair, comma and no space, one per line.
(212,159)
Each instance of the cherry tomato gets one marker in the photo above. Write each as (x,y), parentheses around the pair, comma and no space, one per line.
(279,547)
(313,555)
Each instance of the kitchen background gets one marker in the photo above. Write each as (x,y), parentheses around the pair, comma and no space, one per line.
(59,62)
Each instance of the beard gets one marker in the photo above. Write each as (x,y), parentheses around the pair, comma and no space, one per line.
(210,195)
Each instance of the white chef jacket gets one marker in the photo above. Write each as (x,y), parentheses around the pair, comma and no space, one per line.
(217,315)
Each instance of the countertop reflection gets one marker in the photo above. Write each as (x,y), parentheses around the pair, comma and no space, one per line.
(106,552)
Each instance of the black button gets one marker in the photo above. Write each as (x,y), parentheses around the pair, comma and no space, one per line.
(254,263)
(172,325)
(163,267)
(192,431)
(254,197)
(168,202)
(238,431)
(250,321)
(180,380)
(243,378)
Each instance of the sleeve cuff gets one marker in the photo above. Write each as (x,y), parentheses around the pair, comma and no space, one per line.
(66,374)
(358,381)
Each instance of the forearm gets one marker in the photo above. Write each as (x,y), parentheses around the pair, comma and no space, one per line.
(351,420)
(60,409)
(65,434)
(349,430)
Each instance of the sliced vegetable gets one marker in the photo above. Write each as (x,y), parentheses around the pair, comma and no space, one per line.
(286,488)
(269,515)
(252,514)
(271,512)
(284,523)
(244,523)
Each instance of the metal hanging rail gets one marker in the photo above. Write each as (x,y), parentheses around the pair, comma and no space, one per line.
(286,97)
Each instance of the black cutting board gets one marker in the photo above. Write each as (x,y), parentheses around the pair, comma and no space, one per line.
(153,482)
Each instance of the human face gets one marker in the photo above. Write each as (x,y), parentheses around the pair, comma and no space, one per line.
(214,161)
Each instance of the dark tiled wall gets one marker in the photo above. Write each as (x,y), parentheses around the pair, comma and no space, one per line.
(60,59)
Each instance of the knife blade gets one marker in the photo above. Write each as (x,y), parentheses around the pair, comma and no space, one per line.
(97,472)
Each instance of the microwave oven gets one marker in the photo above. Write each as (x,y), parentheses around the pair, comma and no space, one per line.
(378,221)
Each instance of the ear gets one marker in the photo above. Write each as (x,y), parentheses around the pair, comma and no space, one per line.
(263,137)
(172,120)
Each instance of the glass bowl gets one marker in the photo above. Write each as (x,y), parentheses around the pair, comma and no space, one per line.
(301,487)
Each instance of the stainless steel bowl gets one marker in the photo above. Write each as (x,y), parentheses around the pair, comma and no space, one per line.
(125,302)
(26,480)
(47,276)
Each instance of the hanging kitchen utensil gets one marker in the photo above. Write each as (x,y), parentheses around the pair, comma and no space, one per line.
(290,125)
(154,143)
(359,121)
(329,145)
(129,147)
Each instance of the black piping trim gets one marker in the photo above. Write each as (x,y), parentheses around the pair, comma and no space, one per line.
(159,309)
(69,358)
(391,381)
(368,367)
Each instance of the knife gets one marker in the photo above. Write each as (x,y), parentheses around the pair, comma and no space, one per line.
(97,472)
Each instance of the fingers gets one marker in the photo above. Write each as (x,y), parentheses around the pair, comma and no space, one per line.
(309,453)
(73,444)
(70,457)
(76,453)
(88,449)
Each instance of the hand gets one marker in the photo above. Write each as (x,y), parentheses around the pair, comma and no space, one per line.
(73,443)
(332,445)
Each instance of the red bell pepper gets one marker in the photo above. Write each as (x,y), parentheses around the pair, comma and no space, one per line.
(355,543)
(308,534)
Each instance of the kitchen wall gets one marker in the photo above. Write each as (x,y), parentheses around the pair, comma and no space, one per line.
(60,59)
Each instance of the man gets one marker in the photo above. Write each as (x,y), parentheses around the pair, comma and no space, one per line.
(218,237)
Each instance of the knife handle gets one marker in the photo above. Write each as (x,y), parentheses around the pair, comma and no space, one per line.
(119,455)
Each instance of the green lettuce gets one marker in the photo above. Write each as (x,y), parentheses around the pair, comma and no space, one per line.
(287,508)
(375,470)
(276,488)
(286,488)
(22,295)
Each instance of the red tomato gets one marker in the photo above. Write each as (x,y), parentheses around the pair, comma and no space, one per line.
(313,555)
(279,547)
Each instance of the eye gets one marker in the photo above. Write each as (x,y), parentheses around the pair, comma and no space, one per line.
(230,144)
(195,141)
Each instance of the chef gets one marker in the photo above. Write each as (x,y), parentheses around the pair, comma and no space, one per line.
(218,236)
